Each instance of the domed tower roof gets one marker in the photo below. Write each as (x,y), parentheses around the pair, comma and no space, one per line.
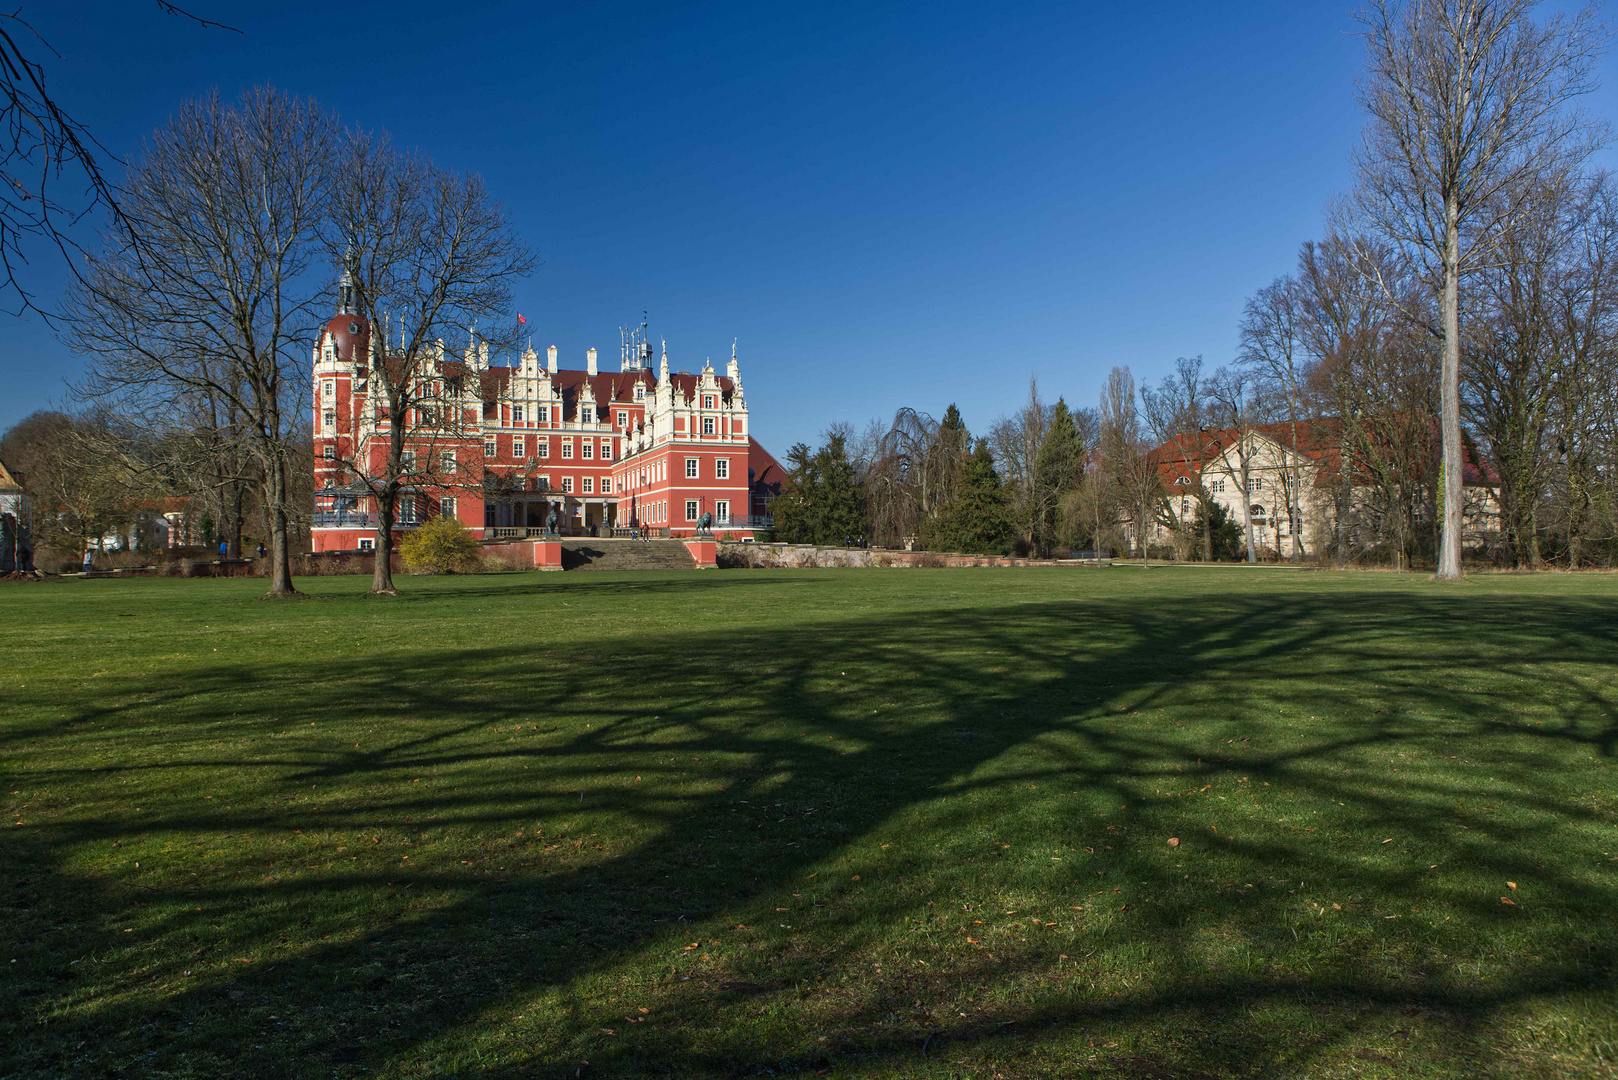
(351,337)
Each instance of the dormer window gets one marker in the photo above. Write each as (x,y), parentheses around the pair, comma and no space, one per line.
(640,391)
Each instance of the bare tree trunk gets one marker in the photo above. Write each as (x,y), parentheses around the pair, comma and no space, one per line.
(275,515)
(1449,552)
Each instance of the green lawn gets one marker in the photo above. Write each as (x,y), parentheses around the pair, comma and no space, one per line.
(871,823)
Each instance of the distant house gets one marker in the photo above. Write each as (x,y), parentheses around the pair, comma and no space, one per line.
(1293,482)
(13,499)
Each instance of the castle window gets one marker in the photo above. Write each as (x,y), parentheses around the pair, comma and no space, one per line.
(606,485)
(567,483)
(640,392)
(367,543)
(690,468)
(707,401)
(721,511)
(517,447)
(328,451)
(516,414)
(623,419)
(489,448)
(446,507)
(446,461)
(707,425)
(589,449)
(328,419)
(721,468)
(589,484)
(330,388)
(606,449)
(567,448)
(544,414)
(690,509)
(407,460)
(543,446)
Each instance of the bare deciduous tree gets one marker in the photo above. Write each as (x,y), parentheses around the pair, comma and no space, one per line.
(430,253)
(42,146)
(207,290)
(1468,101)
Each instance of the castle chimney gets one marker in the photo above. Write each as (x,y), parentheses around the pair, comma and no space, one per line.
(590,361)
(550,359)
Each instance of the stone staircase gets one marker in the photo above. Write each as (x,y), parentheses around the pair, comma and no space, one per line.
(594,554)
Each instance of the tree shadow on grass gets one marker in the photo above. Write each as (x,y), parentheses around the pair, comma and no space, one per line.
(941,774)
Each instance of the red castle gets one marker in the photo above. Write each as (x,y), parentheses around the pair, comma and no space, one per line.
(502,447)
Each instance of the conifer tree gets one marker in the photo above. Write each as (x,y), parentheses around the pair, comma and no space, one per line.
(794,522)
(1057,470)
(838,505)
(977,518)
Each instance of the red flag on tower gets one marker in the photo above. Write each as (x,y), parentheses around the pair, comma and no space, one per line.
(521,320)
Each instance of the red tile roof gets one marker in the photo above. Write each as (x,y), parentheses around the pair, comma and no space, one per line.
(1182,458)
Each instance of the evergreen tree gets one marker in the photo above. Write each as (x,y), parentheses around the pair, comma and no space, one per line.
(1225,534)
(794,518)
(977,518)
(838,505)
(1057,471)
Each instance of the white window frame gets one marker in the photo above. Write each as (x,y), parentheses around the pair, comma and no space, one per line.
(708,426)
(623,419)
(567,449)
(516,414)
(588,449)
(721,468)
(691,509)
(567,485)
(721,511)
(544,414)
(329,452)
(589,486)
(329,388)
(446,506)
(490,448)
(446,461)
(367,543)
(692,469)
(606,485)
(517,447)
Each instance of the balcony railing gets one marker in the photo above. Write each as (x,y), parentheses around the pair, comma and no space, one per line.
(356,519)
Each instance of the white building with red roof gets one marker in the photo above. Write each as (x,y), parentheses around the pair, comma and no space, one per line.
(1298,490)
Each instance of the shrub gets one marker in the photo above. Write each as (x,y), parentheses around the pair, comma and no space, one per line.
(442,546)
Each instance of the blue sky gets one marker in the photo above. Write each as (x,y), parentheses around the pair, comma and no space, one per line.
(887,205)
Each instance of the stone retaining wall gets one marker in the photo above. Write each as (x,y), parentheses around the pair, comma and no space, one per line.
(735,555)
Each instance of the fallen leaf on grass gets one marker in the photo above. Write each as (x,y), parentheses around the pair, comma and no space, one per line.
(1508,900)
(1389,840)
(1512,885)
(1174,841)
